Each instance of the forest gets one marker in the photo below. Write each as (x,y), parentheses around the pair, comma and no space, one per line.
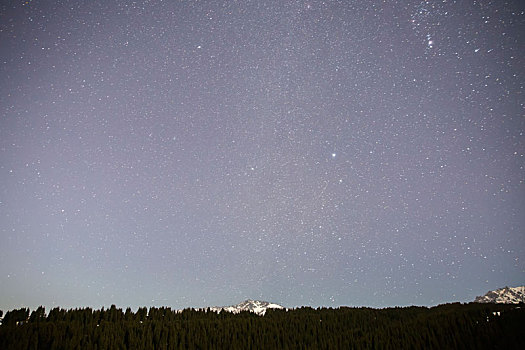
(448,326)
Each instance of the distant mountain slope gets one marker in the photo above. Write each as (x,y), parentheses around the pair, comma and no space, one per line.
(507,295)
(256,306)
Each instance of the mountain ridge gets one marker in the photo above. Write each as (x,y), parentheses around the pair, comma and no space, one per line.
(505,295)
(256,306)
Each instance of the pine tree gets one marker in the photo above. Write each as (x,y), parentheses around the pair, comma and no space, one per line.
(38,315)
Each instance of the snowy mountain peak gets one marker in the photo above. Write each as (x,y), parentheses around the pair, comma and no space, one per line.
(256,306)
(507,295)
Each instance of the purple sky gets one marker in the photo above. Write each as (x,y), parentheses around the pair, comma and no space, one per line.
(196,153)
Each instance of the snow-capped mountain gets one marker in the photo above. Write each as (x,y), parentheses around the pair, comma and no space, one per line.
(507,295)
(256,306)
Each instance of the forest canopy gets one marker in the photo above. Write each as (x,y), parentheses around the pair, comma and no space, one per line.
(448,326)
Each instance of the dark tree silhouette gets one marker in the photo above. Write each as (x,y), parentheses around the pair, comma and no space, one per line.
(449,326)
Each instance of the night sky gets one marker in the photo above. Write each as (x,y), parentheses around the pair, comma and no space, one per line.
(198,153)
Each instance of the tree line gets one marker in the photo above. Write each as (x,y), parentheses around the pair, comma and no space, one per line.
(448,326)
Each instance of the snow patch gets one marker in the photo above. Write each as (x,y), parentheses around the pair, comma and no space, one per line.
(256,306)
(507,295)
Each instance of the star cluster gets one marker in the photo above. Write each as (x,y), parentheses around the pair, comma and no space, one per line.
(196,153)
